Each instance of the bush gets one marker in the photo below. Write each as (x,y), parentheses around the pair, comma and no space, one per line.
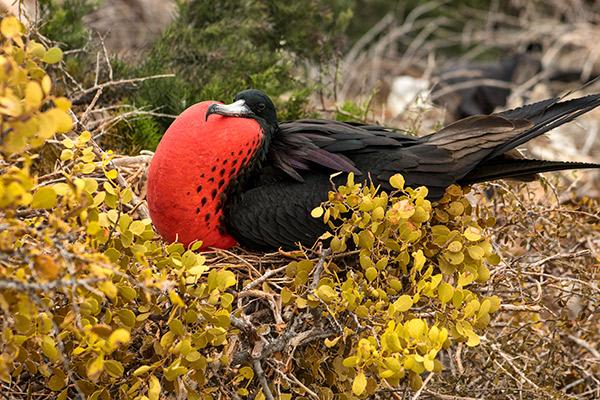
(95,305)
(217,49)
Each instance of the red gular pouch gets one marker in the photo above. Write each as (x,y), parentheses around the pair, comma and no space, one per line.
(192,167)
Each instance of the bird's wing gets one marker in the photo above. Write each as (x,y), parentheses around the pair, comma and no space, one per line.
(276,213)
(475,149)
(311,144)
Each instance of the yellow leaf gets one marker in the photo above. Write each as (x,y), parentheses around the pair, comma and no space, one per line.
(397,181)
(46,266)
(330,343)
(11,27)
(153,388)
(473,338)
(62,120)
(108,288)
(45,197)
(326,293)
(10,105)
(57,381)
(118,337)
(62,103)
(404,303)
(46,84)
(175,299)
(359,384)
(472,234)
(371,274)
(137,227)
(33,94)
(391,341)
(455,246)
(114,368)
(225,279)
(49,348)
(66,155)
(246,373)
(415,327)
(476,252)
(419,260)
(350,362)
(112,174)
(445,292)
(95,368)
(428,364)
(142,370)
(317,212)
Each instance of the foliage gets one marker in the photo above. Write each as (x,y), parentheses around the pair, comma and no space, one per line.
(416,262)
(218,48)
(78,273)
(95,304)
(63,21)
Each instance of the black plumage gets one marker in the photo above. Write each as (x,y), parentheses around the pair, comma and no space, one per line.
(292,175)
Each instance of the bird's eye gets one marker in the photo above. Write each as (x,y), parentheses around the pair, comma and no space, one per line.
(261,106)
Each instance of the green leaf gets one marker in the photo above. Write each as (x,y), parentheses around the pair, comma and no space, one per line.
(53,55)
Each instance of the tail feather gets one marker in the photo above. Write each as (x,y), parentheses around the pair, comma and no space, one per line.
(545,116)
(520,169)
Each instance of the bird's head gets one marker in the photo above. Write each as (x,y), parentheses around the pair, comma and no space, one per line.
(251,103)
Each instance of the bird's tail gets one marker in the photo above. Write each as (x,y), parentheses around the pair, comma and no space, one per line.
(520,169)
(545,116)
(482,146)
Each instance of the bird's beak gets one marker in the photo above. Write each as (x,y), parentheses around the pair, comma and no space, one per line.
(237,109)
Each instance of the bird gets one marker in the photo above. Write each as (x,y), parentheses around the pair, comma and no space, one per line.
(232,174)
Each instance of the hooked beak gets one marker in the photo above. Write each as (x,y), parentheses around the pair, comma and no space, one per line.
(237,109)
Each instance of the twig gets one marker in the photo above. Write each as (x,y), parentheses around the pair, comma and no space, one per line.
(8,284)
(264,277)
(425,382)
(514,367)
(78,95)
(319,267)
(290,378)
(586,346)
(258,370)
(449,397)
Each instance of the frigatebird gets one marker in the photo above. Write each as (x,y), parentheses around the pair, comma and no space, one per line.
(227,174)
